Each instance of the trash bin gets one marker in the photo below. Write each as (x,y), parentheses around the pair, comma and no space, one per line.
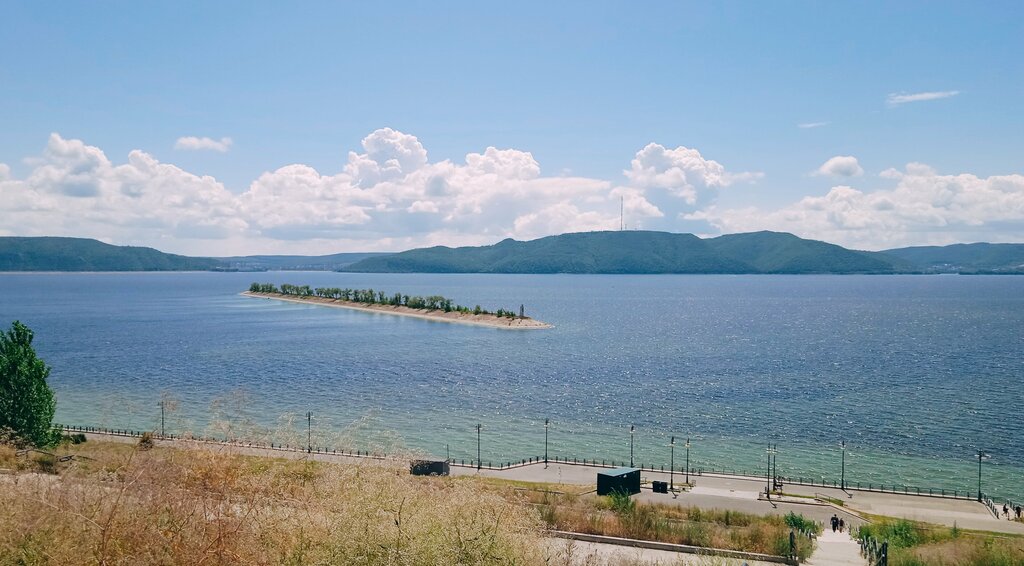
(659,486)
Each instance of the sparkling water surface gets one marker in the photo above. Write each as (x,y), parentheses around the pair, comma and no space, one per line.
(915,373)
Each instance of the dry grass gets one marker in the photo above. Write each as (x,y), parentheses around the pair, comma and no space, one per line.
(918,544)
(119,503)
(964,551)
(167,506)
(715,528)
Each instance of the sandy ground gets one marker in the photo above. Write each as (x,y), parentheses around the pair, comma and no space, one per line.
(437,315)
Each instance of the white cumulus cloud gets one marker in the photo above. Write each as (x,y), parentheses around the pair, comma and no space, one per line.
(922,208)
(841,166)
(193,143)
(387,196)
(895,99)
(811,125)
(682,171)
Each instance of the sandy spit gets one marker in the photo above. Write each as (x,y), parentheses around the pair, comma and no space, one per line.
(438,315)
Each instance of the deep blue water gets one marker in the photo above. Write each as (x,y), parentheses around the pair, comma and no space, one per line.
(914,372)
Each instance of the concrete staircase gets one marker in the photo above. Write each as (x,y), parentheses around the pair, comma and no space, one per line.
(836,549)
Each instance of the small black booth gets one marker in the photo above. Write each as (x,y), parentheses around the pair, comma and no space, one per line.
(429,467)
(622,480)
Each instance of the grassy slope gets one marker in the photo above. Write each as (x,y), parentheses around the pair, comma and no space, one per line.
(80,254)
(919,544)
(208,506)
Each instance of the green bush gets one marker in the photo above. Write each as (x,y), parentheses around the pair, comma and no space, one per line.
(801,523)
(621,503)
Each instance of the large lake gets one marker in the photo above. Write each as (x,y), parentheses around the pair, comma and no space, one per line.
(915,373)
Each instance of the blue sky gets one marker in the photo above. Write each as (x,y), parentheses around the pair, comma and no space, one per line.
(582,88)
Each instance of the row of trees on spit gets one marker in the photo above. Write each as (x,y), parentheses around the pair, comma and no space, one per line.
(372,297)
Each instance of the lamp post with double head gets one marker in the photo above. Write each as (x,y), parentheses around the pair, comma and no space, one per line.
(768,472)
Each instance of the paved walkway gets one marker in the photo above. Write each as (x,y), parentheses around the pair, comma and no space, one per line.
(836,549)
(592,553)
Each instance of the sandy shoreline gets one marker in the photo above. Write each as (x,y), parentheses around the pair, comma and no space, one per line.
(438,315)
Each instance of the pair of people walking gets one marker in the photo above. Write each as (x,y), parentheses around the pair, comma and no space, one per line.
(838,523)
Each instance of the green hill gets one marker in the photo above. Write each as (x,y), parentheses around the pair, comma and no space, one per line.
(780,252)
(330,262)
(637,252)
(589,252)
(81,254)
(964,258)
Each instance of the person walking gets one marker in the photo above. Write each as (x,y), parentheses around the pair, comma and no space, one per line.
(1018,512)
(842,524)
(835,523)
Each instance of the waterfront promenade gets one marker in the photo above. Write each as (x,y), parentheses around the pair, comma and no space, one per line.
(718,491)
(746,494)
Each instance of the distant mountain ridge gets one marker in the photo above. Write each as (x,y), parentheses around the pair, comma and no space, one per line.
(639,252)
(332,262)
(586,252)
(964,258)
(51,253)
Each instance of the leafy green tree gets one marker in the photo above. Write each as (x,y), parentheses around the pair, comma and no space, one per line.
(26,401)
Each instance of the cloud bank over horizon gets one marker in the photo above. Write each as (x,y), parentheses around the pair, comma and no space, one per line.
(389,196)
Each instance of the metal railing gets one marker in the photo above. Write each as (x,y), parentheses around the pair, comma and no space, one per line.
(876,553)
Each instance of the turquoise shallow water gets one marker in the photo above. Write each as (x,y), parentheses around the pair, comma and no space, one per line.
(914,372)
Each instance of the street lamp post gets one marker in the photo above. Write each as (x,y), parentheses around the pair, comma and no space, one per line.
(546,424)
(478,463)
(309,432)
(981,456)
(161,417)
(632,429)
(768,472)
(775,467)
(687,461)
(842,475)
(672,464)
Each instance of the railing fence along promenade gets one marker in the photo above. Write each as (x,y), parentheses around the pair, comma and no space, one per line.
(593,462)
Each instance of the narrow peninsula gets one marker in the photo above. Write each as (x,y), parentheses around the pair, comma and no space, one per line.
(434,307)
